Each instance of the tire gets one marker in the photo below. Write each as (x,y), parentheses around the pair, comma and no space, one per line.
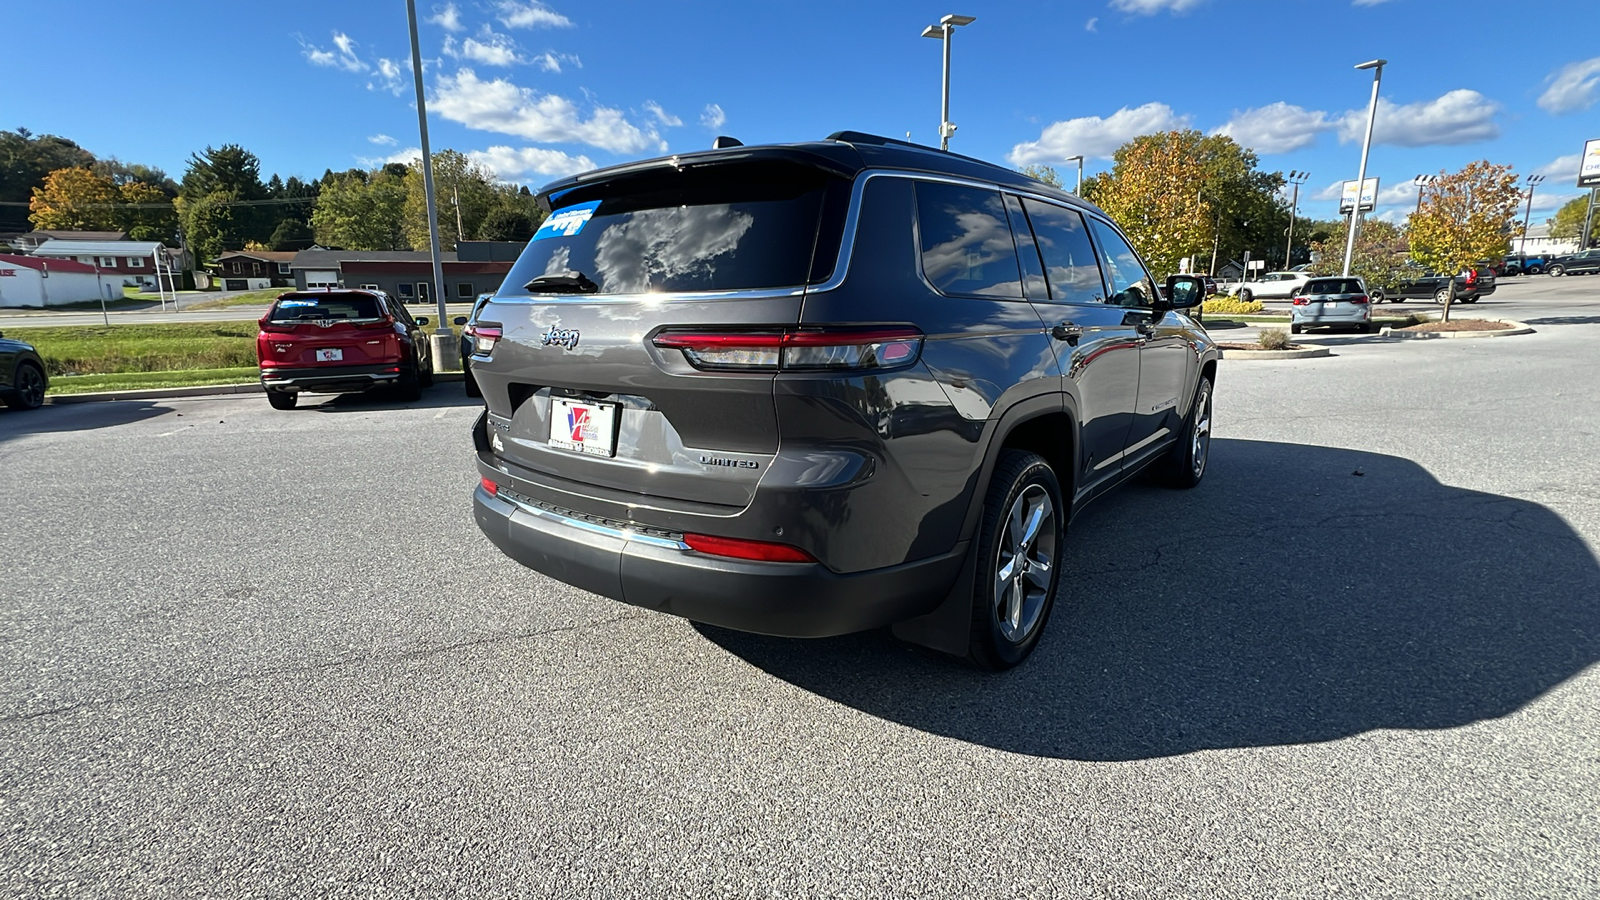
(426,378)
(1364,328)
(1535,270)
(1376,296)
(409,387)
(1185,464)
(1557,271)
(282,399)
(1019,560)
(1296,328)
(27,387)
(1246,294)
(1441,295)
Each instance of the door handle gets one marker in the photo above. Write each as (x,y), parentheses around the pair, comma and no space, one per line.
(1068,332)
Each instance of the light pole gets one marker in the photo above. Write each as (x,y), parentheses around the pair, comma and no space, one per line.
(1079,160)
(1296,179)
(942,31)
(1533,181)
(1376,65)
(1421,181)
(443,341)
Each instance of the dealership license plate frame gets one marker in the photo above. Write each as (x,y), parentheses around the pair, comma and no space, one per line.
(594,425)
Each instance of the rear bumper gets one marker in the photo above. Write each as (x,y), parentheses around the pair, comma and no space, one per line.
(657,571)
(331,379)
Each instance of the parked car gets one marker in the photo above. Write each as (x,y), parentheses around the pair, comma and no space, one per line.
(469,324)
(1586,262)
(341,341)
(1272,286)
(22,377)
(1211,285)
(1331,300)
(1419,284)
(817,388)
(1517,264)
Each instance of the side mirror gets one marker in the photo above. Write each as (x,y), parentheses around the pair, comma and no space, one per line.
(422,320)
(1182,292)
(460,320)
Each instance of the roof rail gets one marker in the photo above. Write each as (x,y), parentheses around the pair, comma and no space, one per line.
(861,137)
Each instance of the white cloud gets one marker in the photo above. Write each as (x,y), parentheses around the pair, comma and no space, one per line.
(343,56)
(504,107)
(404,157)
(390,75)
(509,163)
(713,117)
(1093,136)
(1331,192)
(489,48)
(382,140)
(1277,128)
(1562,167)
(1151,7)
(1458,117)
(1573,87)
(1549,201)
(1367,2)
(662,116)
(530,14)
(1089,25)
(447,17)
(551,62)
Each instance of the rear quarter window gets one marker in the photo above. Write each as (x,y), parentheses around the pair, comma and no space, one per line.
(966,242)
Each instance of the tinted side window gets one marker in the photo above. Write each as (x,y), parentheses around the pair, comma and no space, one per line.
(966,242)
(1068,256)
(1027,252)
(1131,285)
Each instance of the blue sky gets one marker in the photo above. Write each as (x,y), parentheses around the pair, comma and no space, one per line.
(538,90)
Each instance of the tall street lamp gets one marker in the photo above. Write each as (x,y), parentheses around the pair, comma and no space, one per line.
(1376,65)
(1296,179)
(1079,160)
(1533,181)
(443,340)
(942,31)
(1421,181)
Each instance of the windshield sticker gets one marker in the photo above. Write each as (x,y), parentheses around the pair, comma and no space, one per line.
(567,221)
(297,303)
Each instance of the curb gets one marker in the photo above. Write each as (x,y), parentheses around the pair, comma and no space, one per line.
(1303,353)
(1516,328)
(199,390)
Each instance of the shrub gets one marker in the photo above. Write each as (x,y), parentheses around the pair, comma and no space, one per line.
(1273,339)
(1230,306)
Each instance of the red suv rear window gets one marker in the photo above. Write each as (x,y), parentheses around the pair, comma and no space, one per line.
(334,306)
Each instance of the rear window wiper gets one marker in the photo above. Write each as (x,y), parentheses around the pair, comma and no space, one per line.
(568,283)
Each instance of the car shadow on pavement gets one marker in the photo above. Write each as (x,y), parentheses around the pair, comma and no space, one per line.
(16,423)
(1300,594)
(1563,320)
(441,395)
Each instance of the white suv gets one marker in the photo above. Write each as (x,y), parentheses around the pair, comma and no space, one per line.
(1272,286)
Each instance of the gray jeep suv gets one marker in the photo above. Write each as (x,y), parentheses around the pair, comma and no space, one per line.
(817,388)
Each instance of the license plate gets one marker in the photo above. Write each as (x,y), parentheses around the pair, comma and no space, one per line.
(584,427)
(334,355)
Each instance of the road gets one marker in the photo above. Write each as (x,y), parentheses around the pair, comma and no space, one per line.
(250,652)
(37,318)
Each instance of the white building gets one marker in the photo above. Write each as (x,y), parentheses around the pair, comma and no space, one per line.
(39,281)
(1539,243)
(121,263)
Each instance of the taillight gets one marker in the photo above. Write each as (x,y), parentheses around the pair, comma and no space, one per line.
(738,548)
(385,322)
(267,324)
(489,486)
(1300,301)
(484,338)
(818,349)
(1360,299)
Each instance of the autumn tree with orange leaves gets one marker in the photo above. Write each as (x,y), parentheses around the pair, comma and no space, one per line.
(1469,216)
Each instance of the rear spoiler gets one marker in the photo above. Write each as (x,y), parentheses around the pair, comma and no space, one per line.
(834,158)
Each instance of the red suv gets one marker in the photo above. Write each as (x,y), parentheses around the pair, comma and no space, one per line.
(341,341)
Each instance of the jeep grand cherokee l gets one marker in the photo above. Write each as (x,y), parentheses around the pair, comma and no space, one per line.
(817,388)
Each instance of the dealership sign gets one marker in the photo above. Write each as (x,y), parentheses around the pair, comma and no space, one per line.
(1589,169)
(1369,196)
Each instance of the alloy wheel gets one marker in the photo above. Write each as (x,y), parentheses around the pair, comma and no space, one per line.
(1200,448)
(1027,553)
(30,387)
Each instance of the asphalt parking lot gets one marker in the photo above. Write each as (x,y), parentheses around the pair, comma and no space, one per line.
(250,652)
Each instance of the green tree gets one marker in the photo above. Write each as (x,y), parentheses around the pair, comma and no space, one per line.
(74,199)
(291,234)
(1467,217)
(1043,173)
(1377,260)
(25,160)
(506,223)
(207,223)
(358,210)
(147,213)
(456,179)
(1567,223)
(235,172)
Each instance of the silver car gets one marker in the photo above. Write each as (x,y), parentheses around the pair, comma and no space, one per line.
(1331,301)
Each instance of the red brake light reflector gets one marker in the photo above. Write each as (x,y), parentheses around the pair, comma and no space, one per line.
(1360,299)
(739,548)
(488,485)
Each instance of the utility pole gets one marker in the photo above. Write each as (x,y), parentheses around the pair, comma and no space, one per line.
(942,31)
(455,197)
(1296,179)
(443,341)
(1533,181)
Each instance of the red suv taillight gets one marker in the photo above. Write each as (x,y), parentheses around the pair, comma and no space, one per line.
(268,325)
(1300,301)
(812,349)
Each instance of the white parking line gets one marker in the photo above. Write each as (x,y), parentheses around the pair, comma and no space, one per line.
(442,412)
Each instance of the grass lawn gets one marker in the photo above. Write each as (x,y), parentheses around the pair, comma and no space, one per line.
(251,298)
(121,349)
(82,384)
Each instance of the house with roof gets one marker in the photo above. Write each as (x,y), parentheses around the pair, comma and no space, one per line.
(33,240)
(120,263)
(404,274)
(1538,242)
(38,281)
(255,270)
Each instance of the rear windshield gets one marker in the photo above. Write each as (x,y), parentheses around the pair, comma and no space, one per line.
(1334,286)
(333,306)
(741,226)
